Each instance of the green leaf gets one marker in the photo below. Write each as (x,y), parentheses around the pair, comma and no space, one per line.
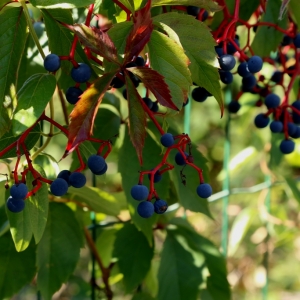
(142,296)
(9,139)
(58,250)
(137,118)
(32,98)
(187,193)
(107,124)
(98,200)
(239,228)
(55,29)
(294,9)
(217,283)
(273,36)
(132,243)
(129,166)
(199,44)
(105,245)
(170,60)
(129,4)
(17,268)
(20,227)
(12,43)
(207,4)
(178,276)
(66,4)
(292,184)
(38,206)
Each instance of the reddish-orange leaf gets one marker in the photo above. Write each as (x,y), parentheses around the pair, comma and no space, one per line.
(85,110)
(137,118)
(140,34)
(156,84)
(97,40)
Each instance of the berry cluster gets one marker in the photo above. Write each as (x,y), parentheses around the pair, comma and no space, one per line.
(18,192)
(140,192)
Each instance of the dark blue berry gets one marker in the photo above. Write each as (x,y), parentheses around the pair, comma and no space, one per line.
(200,94)
(160,206)
(204,16)
(249,82)
(82,73)
(96,163)
(39,28)
(227,62)
(291,127)
(297,41)
(117,83)
(59,187)
(204,190)
(52,62)
(64,174)
(157,176)
(226,77)
(148,102)
(167,140)
(219,51)
(261,121)
(19,191)
(154,107)
(296,134)
(243,70)
(272,101)
(77,180)
(15,205)
(287,40)
(234,106)
(193,10)
(179,159)
(73,94)
(276,126)
(231,48)
(145,209)
(140,62)
(255,64)
(277,77)
(139,192)
(103,171)
(287,146)
(296,117)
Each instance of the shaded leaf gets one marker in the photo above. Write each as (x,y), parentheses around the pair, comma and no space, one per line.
(170,60)
(98,200)
(58,250)
(196,39)
(37,206)
(292,184)
(156,84)
(217,283)
(294,9)
(178,277)
(9,139)
(273,36)
(97,40)
(12,44)
(61,4)
(32,98)
(17,268)
(207,4)
(84,112)
(140,33)
(132,243)
(137,118)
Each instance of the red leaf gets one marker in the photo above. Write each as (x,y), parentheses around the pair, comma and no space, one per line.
(84,112)
(97,40)
(137,118)
(140,34)
(156,84)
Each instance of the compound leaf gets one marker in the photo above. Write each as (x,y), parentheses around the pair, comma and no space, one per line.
(58,250)
(12,44)
(17,268)
(32,99)
(198,42)
(66,4)
(84,112)
(170,60)
(132,243)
